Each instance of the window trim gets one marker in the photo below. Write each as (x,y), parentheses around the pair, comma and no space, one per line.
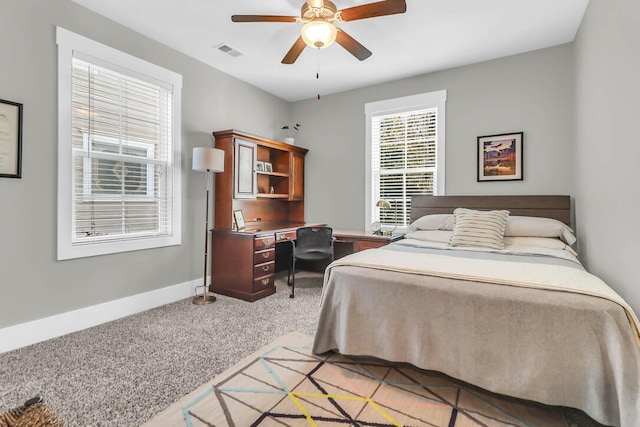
(68,43)
(436,99)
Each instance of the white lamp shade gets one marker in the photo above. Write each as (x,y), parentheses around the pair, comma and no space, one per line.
(208,159)
(383,204)
(318,34)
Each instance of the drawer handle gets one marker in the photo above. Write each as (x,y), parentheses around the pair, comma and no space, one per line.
(265,255)
(265,268)
(265,282)
(265,243)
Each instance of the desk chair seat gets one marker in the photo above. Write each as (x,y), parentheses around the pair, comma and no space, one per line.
(311,244)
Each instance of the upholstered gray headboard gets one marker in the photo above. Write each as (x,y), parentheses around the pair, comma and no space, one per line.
(556,207)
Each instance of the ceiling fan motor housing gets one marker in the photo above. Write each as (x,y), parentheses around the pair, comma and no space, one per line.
(327,12)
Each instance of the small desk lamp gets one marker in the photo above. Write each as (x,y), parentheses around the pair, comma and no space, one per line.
(206,159)
(384,204)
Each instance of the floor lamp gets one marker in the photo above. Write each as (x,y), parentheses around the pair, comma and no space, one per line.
(206,159)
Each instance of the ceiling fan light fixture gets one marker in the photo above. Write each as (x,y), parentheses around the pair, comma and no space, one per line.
(319,34)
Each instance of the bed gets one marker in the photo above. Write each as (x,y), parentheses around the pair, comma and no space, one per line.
(525,321)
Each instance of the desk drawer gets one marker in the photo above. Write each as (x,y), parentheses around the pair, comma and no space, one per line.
(263,282)
(288,235)
(264,269)
(264,242)
(264,256)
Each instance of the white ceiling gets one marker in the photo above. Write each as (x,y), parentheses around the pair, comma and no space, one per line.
(432,35)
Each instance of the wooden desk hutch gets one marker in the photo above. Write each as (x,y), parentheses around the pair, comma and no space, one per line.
(272,203)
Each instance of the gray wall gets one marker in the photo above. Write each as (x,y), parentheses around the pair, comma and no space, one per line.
(607,54)
(32,283)
(531,92)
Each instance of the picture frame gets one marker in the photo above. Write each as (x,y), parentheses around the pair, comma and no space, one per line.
(500,157)
(10,139)
(268,167)
(238,219)
(260,166)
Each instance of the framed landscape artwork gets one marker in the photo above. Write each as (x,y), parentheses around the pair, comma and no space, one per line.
(500,157)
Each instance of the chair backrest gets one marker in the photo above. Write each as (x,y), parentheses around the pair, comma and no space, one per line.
(313,237)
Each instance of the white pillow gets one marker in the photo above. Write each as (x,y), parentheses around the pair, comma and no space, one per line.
(433,222)
(539,242)
(441,236)
(483,229)
(528,226)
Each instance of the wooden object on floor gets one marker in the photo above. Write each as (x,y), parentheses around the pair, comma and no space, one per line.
(272,203)
(244,261)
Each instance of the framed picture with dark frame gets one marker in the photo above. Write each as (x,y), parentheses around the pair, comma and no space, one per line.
(10,139)
(239,219)
(500,157)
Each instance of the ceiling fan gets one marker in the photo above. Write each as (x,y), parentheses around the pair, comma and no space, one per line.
(319,30)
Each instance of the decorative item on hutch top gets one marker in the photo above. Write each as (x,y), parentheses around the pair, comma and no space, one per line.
(289,131)
(206,159)
(10,139)
(500,157)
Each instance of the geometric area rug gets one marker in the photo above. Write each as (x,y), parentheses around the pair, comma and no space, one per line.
(284,384)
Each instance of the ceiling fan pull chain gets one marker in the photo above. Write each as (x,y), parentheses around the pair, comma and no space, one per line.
(318,72)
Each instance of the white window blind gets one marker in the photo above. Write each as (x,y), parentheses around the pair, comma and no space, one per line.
(403,162)
(121,146)
(405,155)
(119,151)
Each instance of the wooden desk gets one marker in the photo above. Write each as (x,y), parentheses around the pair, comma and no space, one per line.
(350,241)
(243,262)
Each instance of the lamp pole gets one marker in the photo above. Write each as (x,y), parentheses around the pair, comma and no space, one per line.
(205,298)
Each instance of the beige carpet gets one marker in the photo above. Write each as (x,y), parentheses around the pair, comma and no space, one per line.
(284,384)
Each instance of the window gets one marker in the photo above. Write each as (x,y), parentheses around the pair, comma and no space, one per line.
(405,154)
(103,175)
(118,151)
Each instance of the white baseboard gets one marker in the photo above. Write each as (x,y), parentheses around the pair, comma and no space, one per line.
(28,333)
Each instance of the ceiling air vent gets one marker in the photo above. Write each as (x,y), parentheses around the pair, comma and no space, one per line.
(228,50)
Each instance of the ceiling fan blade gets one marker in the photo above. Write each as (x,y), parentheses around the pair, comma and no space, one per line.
(352,45)
(263,18)
(294,52)
(371,10)
(315,3)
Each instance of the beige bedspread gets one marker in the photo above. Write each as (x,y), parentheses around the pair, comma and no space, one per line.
(549,333)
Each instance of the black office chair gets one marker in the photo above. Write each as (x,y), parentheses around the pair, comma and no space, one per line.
(311,244)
